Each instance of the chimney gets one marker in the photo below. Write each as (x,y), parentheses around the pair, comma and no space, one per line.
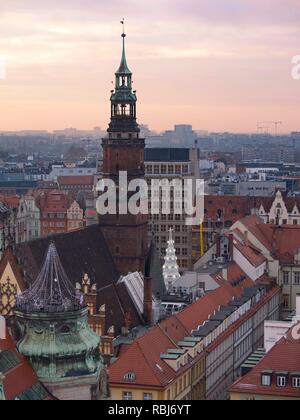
(148,298)
(127,323)
(218,240)
(225,273)
(231,246)
(2,328)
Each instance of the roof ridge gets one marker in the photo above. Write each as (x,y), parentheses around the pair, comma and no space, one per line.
(148,362)
(165,333)
(181,323)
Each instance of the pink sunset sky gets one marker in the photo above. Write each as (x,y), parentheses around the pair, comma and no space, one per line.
(221,65)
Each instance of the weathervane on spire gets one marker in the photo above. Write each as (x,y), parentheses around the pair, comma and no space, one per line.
(123,23)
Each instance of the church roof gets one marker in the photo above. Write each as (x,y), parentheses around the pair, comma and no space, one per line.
(84,252)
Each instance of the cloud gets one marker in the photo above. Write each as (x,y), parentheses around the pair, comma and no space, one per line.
(220,49)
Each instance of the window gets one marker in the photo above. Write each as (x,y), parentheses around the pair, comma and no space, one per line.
(297,278)
(130,376)
(99,330)
(266,380)
(296,382)
(286,277)
(286,301)
(127,396)
(281,381)
(185,169)
(147,397)
(171,169)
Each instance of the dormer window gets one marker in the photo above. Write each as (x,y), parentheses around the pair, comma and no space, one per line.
(130,377)
(296,381)
(281,379)
(266,378)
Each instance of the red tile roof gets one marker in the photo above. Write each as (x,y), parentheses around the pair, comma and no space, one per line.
(247,249)
(284,356)
(143,355)
(20,378)
(11,201)
(282,241)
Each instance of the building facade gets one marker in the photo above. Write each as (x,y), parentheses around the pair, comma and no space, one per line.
(198,353)
(28,224)
(277,375)
(172,165)
(53,206)
(75,217)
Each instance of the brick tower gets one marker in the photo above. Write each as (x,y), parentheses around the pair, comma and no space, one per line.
(123,150)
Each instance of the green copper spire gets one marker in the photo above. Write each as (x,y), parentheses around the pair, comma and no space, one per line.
(123,69)
(123,99)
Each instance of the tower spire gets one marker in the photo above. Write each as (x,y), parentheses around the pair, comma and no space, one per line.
(123,68)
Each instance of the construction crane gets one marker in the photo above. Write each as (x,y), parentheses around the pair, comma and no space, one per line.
(262,128)
(276,124)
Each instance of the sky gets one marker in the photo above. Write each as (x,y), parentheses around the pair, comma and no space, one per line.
(220,65)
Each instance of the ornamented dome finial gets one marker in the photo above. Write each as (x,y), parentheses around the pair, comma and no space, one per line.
(52,290)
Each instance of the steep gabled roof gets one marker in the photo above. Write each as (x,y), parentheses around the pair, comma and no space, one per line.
(10,258)
(284,356)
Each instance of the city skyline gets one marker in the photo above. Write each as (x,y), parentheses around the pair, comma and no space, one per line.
(220,66)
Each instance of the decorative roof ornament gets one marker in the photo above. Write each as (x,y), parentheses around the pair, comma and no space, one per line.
(123,68)
(52,291)
(170,268)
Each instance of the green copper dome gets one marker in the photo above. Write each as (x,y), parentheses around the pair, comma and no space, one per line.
(52,323)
